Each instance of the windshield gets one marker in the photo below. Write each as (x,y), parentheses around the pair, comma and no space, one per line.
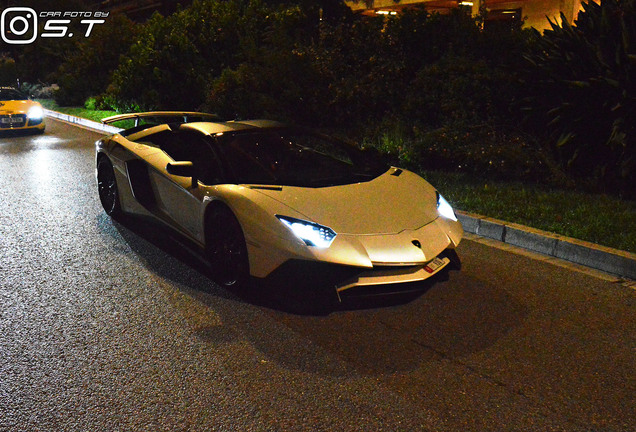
(7,94)
(295,158)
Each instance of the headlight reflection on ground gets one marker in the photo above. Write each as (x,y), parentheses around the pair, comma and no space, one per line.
(47,140)
(42,166)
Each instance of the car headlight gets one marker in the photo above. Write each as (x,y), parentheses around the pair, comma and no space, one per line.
(35,113)
(311,233)
(444,208)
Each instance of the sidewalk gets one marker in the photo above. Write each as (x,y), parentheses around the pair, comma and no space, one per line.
(613,261)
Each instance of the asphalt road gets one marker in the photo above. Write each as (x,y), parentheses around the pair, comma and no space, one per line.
(107,326)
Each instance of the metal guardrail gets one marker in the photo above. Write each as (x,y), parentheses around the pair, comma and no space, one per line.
(82,122)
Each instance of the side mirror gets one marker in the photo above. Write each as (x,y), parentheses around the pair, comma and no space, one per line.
(183,169)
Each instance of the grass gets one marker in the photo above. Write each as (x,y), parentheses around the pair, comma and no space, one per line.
(95,115)
(600,219)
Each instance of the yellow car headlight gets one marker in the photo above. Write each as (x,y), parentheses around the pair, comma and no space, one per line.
(35,113)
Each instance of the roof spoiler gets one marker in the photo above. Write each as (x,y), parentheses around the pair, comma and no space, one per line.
(187,116)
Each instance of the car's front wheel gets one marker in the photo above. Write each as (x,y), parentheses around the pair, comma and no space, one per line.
(226,249)
(107,187)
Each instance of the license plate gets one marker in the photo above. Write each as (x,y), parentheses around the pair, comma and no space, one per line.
(13,120)
(434,265)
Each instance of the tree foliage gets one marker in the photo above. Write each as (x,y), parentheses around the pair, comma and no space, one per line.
(175,57)
(434,91)
(583,86)
(89,65)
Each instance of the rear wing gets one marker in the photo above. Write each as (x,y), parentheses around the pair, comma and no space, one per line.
(179,116)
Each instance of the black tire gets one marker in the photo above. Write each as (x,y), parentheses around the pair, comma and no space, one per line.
(107,187)
(226,249)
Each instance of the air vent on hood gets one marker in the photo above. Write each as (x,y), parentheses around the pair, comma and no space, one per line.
(397,172)
(272,188)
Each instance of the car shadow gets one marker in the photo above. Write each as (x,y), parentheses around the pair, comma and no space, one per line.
(440,321)
(284,297)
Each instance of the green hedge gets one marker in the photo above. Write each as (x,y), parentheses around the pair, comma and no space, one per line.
(432,91)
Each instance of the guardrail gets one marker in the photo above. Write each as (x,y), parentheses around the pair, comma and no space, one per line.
(82,122)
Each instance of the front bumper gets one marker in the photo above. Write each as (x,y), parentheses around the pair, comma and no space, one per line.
(416,247)
(348,281)
(384,275)
(20,122)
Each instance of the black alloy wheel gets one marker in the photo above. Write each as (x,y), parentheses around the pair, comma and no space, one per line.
(107,187)
(226,249)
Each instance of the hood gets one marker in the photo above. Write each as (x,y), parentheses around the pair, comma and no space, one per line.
(17,107)
(388,204)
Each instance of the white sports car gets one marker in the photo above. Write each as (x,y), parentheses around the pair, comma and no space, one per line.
(267,201)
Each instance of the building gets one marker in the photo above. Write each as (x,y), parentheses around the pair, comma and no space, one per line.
(534,13)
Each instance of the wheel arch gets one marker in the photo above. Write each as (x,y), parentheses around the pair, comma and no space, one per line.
(101,155)
(113,209)
(225,211)
(209,209)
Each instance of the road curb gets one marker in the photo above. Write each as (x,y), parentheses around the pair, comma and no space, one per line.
(82,122)
(614,261)
(609,260)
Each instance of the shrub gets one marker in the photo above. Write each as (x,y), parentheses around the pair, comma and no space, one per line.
(460,89)
(90,104)
(38,90)
(174,58)
(460,119)
(351,73)
(583,85)
(482,151)
(276,79)
(87,70)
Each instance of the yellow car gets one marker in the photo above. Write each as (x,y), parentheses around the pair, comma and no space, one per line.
(18,112)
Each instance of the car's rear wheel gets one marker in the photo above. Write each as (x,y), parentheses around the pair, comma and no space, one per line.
(226,249)
(107,187)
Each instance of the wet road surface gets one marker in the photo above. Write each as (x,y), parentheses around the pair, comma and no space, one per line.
(108,326)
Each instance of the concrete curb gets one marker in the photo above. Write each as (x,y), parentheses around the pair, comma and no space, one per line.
(82,122)
(614,261)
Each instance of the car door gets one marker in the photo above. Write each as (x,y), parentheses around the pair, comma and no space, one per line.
(179,201)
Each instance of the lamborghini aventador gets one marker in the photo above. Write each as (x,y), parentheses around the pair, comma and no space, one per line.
(263,200)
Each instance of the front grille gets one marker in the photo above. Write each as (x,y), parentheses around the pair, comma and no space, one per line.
(407,267)
(10,121)
(385,290)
